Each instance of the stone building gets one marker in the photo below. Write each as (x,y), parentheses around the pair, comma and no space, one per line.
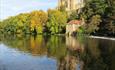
(73,26)
(71,5)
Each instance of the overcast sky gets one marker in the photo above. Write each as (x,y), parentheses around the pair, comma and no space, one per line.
(14,7)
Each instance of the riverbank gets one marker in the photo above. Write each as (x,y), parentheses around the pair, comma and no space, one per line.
(99,37)
(90,36)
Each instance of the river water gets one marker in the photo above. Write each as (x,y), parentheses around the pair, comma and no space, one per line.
(56,53)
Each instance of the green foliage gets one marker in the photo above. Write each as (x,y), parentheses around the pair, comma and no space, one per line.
(103,8)
(93,24)
(35,22)
(81,30)
(16,24)
(1,26)
(38,19)
(25,23)
(73,15)
(94,7)
(110,27)
(56,21)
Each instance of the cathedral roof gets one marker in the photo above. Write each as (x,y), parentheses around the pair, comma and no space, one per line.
(74,22)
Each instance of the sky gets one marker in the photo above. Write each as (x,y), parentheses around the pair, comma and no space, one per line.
(14,7)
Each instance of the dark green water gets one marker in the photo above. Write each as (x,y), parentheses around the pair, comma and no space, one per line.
(56,53)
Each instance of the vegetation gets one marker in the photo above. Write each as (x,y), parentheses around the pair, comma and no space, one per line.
(95,55)
(92,26)
(99,16)
(56,21)
(36,22)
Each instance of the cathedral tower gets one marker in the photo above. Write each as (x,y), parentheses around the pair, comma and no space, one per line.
(71,4)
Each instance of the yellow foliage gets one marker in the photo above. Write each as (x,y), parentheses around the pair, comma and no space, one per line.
(38,18)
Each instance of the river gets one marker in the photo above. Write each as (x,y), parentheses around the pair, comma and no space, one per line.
(56,53)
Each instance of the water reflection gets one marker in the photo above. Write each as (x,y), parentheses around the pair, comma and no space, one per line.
(69,53)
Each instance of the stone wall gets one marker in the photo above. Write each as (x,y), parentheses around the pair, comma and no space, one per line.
(71,4)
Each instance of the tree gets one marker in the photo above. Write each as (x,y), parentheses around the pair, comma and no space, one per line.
(22,23)
(38,20)
(93,7)
(56,21)
(73,15)
(106,10)
(93,25)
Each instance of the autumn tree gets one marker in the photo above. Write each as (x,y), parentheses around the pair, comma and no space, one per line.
(38,20)
(56,21)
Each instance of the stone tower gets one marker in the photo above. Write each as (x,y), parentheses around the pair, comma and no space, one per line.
(71,4)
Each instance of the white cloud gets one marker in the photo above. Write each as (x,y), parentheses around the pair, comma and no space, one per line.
(13,7)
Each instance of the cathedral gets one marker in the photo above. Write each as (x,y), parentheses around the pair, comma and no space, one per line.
(70,5)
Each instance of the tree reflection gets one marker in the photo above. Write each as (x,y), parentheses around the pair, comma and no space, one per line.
(71,60)
(71,53)
(97,55)
(37,45)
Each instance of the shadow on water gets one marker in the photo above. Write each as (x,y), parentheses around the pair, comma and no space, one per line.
(70,53)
